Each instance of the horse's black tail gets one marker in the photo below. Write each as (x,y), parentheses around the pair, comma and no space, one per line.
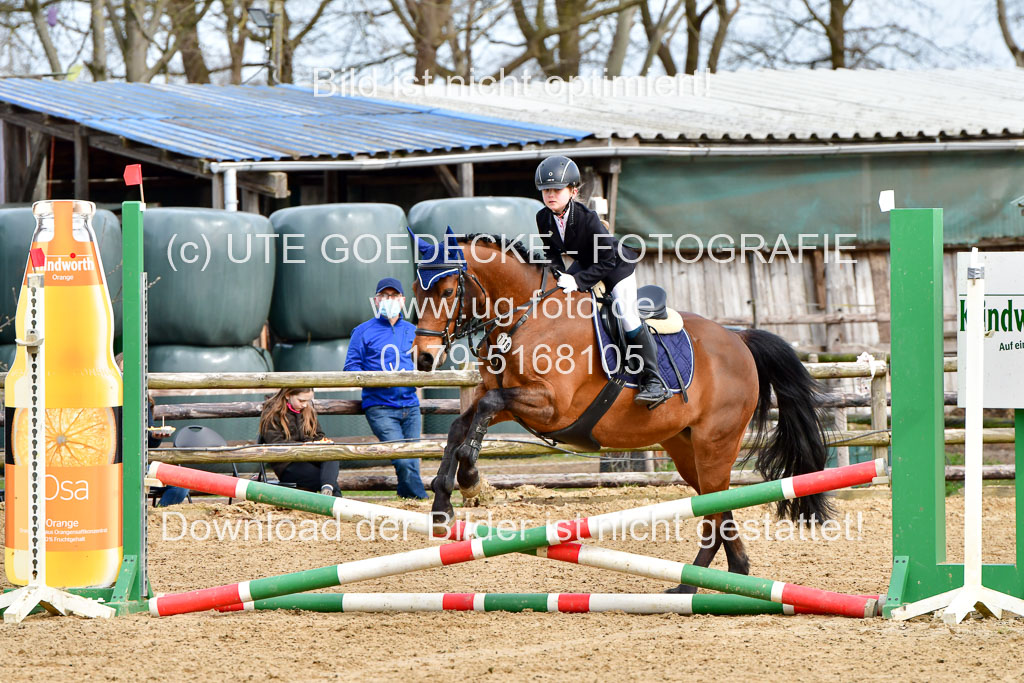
(797,445)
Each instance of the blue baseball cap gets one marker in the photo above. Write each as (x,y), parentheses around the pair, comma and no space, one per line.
(392,282)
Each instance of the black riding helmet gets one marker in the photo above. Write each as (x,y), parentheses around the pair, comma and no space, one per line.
(557,172)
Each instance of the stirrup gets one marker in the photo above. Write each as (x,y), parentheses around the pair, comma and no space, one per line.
(652,400)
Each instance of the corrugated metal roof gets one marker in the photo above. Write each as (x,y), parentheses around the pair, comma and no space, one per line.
(239,123)
(762,105)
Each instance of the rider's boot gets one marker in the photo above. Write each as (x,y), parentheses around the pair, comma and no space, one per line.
(652,391)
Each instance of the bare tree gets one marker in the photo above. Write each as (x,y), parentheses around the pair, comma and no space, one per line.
(427,24)
(660,29)
(98,32)
(236,33)
(835,34)
(185,16)
(1005,29)
(142,27)
(725,17)
(295,32)
(41,37)
(620,42)
(661,25)
(38,10)
(834,26)
(569,21)
(441,38)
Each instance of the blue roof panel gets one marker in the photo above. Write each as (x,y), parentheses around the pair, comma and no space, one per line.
(243,123)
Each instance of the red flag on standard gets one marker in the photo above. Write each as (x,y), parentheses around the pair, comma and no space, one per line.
(133,174)
(38,257)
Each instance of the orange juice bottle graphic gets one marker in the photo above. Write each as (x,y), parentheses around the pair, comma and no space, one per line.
(83,411)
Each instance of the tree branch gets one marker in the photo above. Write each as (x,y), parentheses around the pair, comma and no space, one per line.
(294,42)
(1004,28)
(814,15)
(119,34)
(43,32)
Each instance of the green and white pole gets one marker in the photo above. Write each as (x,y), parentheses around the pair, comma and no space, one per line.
(610,524)
(630,603)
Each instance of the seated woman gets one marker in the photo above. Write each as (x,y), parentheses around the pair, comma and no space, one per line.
(171,495)
(289,417)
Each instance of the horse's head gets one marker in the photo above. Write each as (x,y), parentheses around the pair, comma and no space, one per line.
(460,288)
(440,299)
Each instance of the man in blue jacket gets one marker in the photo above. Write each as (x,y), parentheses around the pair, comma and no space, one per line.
(385,343)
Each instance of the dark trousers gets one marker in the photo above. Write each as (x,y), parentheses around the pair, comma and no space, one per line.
(310,476)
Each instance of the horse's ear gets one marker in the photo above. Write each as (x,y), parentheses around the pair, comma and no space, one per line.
(453,253)
(427,250)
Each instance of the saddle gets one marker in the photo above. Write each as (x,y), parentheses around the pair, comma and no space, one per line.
(653,309)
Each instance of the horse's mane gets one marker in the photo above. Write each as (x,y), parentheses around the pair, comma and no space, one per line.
(528,257)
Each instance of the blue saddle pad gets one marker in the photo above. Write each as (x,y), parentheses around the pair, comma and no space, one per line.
(678,344)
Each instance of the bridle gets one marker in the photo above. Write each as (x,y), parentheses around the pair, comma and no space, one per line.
(465,325)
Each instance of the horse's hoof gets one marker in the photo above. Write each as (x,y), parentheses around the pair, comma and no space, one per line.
(470,482)
(440,524)
(473,490)
(683,589)
(438,530)
(441,513)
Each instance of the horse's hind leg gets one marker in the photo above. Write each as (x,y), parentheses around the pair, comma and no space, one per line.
(707,468)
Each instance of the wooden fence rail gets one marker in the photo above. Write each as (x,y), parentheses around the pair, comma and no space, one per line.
(433,448)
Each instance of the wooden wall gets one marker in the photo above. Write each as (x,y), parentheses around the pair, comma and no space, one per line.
(817,306)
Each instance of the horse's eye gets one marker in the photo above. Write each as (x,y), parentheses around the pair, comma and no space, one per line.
(447,293)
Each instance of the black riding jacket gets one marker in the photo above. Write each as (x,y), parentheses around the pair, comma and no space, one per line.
(598,255)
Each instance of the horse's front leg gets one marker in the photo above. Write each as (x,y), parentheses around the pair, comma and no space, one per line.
(531,401)
(444,483)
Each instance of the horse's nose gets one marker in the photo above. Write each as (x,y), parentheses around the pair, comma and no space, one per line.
(425,363)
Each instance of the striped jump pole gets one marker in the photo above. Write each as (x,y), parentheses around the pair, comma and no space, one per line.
(591,556)
(630,603)
(763,595)
(554,534)
(808,600)
(351,510)
(345,509)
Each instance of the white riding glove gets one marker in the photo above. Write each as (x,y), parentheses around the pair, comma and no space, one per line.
(567,283)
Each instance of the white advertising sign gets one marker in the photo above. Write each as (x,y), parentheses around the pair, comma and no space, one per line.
(1004,327)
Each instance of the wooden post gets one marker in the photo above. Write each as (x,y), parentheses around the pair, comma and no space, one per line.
(614,167)
(465,398)
(842,452)
(81,164)
(447,178)
(276,43)
(752,265)
(15,158)
(250,201)
(30,176)
(819,292)
(835,335)
(879,405)
(465,172)
(879,262)
(331,187)
(217,191)
(466,393)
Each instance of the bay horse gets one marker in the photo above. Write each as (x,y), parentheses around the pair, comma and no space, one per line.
(735,373)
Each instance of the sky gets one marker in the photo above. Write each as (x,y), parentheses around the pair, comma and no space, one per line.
(964,34)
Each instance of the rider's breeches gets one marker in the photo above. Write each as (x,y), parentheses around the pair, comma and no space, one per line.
(625,304)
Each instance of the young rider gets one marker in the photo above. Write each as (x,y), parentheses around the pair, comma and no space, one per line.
(568,227)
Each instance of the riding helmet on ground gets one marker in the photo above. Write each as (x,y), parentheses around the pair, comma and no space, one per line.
(557,172)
